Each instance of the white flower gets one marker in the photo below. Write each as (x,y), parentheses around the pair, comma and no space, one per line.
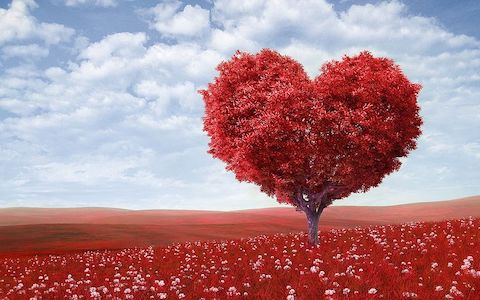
(455,291)
(409,295)
(346,291)
(160,282)
(329,292)
(372,291)
(438,288)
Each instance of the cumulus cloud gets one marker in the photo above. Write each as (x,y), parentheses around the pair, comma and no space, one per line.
(17,24)
(184,93)
(171,20)
(122,120)
(118,45)
(30,51)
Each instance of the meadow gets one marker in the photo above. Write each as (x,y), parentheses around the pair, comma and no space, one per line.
(417,260)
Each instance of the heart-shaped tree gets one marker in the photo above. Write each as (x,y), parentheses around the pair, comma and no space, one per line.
(311,142)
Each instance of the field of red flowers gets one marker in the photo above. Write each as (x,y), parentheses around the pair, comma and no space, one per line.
(410,261)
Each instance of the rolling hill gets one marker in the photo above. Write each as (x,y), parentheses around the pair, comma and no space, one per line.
(56,230)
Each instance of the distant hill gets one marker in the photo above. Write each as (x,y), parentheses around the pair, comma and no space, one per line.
(51,230)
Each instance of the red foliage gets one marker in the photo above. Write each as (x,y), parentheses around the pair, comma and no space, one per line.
(311,142)
(411,261)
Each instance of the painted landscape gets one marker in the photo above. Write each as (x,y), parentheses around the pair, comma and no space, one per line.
(243,150)
(60,230)
(426,250)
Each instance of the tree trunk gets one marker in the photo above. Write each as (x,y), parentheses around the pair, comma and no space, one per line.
(312,219)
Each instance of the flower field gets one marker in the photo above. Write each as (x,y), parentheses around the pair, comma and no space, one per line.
(410,261)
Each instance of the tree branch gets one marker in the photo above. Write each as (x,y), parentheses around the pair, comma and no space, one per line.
(316,202)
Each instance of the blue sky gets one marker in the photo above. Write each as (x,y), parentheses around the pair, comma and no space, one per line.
(98,102)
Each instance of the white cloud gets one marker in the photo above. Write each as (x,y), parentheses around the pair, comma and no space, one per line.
(227,42)
(92,170)
(102,3)
(17,24)
(310,55)
(161,95)
(119,45)
(435,142)
(389,25)
(275,22)
(170,21)
(175,122)
(31,51)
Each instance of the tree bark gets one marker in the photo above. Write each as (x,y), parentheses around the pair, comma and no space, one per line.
(313,216)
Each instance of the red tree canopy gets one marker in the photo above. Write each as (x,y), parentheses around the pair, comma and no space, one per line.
(338,134)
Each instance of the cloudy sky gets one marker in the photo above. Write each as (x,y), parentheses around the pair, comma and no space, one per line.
(98,101)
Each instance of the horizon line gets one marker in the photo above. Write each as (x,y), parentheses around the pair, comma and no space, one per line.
(285,206)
